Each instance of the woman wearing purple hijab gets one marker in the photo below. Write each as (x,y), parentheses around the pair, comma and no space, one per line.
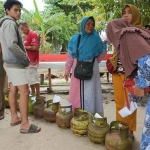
(132,45)
(132,15)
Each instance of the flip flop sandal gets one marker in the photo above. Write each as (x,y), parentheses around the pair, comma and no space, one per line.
(16,123)
(33,129)
(1,117)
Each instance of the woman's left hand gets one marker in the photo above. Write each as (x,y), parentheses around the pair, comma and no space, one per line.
(139,92)
(66,76)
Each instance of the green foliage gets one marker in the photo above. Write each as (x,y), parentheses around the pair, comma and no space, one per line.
(43,21)
(61,18)
(46,49)
(68,29)
(74,10)
(112,8)
(2,11)
(70,6)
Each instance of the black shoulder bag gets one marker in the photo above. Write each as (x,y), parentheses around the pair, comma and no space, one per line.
(83,69)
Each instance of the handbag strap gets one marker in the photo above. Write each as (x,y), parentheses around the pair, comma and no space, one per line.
(83,94)
(93,60)
(77,49)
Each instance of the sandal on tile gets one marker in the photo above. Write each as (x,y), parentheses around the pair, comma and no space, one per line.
(33,129)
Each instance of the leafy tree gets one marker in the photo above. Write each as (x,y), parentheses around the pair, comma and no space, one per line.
(2,10)
(69,6)
(42,20)
(112,8)
(75,10)
(64,35)
(47,22)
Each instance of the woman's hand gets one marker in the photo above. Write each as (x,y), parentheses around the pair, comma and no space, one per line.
(139,92)
(66,75)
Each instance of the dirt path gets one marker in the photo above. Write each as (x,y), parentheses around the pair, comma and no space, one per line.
(54,138)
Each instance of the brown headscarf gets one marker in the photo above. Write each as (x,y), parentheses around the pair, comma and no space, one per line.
(131,43)
(136,16)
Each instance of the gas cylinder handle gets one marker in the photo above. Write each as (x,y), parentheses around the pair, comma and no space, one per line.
(64,107)
(89,113)
(114,125)
(100,122)
(49,103)
(40,100)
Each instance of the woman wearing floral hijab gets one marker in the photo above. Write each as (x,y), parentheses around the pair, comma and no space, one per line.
(90,46)
(135,59)
(133,16)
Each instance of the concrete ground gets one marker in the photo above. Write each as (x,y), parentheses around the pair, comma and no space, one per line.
(51,136)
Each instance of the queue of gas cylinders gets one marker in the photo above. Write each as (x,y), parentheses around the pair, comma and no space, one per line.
(81,122)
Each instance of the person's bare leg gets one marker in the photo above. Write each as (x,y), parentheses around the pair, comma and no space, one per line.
(32,89)
(37,87)
(23,104)
(13,103)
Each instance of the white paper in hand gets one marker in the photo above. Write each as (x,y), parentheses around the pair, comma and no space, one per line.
(133,106)
(124,112)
